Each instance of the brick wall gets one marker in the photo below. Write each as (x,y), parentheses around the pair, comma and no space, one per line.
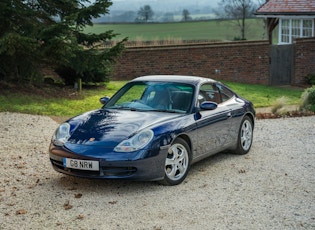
(244,61)
(304,59)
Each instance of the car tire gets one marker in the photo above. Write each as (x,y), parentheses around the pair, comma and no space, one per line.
(177,163)
(245,136)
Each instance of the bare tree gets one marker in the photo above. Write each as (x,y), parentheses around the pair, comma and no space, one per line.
(186,15)
(238,10)
(145,13)
(260,3)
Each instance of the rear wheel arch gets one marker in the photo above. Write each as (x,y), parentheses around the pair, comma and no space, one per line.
(245,135)
(252,118)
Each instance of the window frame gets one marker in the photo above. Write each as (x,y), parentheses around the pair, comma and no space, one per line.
(290,28)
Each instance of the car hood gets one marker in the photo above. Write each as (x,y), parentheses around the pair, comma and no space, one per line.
(107,128)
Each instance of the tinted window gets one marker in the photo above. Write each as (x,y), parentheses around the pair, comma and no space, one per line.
(157,96)
(226,94)
(209,92)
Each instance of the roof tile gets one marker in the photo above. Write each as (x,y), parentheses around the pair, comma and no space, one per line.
(287,6)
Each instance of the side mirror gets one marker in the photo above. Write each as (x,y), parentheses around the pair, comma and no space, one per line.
(104,100)
(208,105)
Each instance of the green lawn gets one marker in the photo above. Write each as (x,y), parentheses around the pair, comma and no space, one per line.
(261,96)
(211,30)
(266,96)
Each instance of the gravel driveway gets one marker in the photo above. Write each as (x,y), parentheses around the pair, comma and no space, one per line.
(273,187)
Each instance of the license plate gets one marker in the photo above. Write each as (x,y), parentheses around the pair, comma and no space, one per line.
(81,164)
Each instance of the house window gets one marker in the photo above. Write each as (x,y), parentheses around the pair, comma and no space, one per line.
(308,30)
(295,28)
(285,31)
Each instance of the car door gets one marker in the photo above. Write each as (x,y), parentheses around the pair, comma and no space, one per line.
(236,106)
(213,125)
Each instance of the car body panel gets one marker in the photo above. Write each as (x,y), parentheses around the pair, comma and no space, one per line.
(95,134)
(107,128)
(211,136)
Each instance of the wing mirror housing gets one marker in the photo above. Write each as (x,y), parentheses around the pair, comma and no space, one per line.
(208,105)
(104,100)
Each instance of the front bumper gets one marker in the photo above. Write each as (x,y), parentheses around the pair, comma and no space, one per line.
(145,169)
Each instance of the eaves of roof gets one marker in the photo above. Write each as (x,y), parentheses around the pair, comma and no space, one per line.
(285,13)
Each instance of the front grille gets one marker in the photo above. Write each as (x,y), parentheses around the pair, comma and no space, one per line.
(118,171)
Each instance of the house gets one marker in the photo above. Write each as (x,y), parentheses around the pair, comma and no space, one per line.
(294,18)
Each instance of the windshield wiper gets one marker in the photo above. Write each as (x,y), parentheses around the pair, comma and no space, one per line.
(128,108)
(120,107)
(163,110)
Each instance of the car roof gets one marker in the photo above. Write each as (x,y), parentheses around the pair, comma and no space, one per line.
(193,80)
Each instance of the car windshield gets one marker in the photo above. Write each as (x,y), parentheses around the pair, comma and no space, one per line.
(153,96)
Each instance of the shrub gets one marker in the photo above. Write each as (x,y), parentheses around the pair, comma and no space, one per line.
(278,105)
(308,99)
(239,39)
(310,79)
(70,76)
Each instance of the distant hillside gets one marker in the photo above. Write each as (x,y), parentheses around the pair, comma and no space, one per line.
(214,30)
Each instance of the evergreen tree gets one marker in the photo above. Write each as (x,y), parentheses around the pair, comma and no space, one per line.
(38,32)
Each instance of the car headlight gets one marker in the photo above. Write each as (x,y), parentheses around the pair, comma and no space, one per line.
(136,142)
(62,134)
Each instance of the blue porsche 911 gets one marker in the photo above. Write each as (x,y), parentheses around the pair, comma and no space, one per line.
(154,128)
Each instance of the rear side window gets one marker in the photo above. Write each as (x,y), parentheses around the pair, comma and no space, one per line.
(209,92)
(226,93)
